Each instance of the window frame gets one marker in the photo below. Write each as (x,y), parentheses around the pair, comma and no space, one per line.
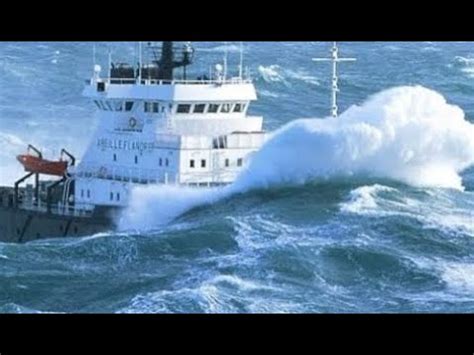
(178,106)
(241,107)
(224,105)
(129,105)
(218,108)
(118,106)
(204,107)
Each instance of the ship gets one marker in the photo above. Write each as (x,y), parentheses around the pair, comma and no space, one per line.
(155,127)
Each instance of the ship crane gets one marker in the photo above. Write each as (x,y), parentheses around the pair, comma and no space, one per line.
(335,59)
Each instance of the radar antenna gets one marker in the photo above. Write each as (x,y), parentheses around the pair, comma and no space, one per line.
(335,59)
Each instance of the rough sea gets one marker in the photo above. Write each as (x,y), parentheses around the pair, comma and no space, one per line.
(368,212)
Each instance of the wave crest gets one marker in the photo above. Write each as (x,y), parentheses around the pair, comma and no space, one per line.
(408,134)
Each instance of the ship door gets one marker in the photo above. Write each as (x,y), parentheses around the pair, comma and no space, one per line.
(216,166)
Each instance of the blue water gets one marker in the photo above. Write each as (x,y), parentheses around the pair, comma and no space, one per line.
(370,242)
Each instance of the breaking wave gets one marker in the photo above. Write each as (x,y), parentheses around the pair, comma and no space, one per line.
(276,74)
(466,65)
(407,134)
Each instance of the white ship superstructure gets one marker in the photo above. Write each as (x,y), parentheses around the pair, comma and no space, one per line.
(155,129)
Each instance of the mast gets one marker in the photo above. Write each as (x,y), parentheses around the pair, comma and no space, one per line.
(167,62)
(241,63)
(335,59)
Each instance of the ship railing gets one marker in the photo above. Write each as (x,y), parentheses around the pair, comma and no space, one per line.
(76,210)
(161,176)
(131,81)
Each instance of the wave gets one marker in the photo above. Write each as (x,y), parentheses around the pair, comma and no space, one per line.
(407,134)
(276,74)
(213,295)
(271,74)
(434,210)
(466,65)
(459,276)
(364,200)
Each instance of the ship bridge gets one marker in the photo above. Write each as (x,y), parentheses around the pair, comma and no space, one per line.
(234,89)
(157,129)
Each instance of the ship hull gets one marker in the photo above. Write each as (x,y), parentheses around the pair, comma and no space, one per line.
(22,226)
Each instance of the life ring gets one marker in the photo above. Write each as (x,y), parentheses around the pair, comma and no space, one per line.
(132,122)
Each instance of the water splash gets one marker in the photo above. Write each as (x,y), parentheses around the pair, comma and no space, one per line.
(407,134)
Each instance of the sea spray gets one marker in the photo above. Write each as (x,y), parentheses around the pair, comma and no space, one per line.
(409,134)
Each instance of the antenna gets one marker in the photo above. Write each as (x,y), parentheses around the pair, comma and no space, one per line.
(335,59)
(140,62)
(241,60)
(225,60)
(110,62)
(93,55)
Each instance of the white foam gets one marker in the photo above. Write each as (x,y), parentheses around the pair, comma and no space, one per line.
(408,134)
(302,75)
(363,199)
(231,48)
(212,295)
(459,276)
(275,73)
(271,73)
(267,93)
(466,64)
(154,206)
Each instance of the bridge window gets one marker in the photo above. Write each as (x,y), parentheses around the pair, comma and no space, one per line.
(226,108)
(152,107)
(109,106)
(129,106)
(111,196)
(161,162)
(119,106)
(98,104)
(191,163)
(213,108)
(227,163)
(101,105)
(239,162)
(184,109)
(200,108)
(203,163)
(117,196)
(115,157)
(219,143)
(238,108)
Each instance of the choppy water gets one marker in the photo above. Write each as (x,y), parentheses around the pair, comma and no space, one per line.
(368,213)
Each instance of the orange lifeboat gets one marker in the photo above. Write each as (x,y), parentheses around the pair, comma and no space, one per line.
(39,165)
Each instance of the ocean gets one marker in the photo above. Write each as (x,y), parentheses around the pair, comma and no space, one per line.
(370,212)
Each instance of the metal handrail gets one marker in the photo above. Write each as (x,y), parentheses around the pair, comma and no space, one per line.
(77,210)
(149,176)
(136,81)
